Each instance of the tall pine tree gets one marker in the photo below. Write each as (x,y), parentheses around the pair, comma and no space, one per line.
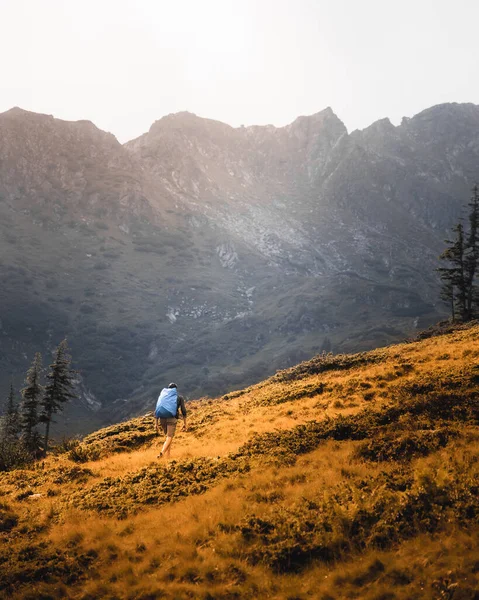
(31,395)
(459,277)
(453,277)
(13,452)
(59,388)
(471,258)
(447,289)
(11,425)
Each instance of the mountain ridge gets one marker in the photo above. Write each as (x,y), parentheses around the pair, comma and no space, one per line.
(435,110)
(214,255)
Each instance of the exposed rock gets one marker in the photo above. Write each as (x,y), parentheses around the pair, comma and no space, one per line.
(215,255)
(227,255)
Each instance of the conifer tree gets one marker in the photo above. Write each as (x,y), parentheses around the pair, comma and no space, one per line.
(454,277)
(11,426)
(459,278)
(31,395)
(471,259)
(59,388)
(447,290)
(13,452)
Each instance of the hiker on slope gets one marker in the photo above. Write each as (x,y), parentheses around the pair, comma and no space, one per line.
(167,412)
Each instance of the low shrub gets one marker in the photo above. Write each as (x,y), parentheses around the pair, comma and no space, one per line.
(13,455)
(327,361)
(33,563)
(405,445)
(65,445)
(156,484)
(295,394)
(63,475)
(122,437)
(82,454)
(444,328)
(417,411)
(355,517)
(8,519)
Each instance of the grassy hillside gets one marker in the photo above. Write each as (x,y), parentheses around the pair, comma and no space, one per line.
(217,255)
(351,476)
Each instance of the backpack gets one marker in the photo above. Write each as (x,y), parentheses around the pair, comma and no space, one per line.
(167,404)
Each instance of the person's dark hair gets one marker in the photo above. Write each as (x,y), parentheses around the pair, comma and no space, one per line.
(172,385)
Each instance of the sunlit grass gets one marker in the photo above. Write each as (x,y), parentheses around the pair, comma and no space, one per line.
(197,546)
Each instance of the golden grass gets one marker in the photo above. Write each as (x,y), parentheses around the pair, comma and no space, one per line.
(193,547)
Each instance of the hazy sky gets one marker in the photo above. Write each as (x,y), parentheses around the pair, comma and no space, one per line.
(125,63)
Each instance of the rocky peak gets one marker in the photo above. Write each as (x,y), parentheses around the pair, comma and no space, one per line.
(379,127)
(381,137)
(16,111)
(445,139)
(60,161)
(188,125)
(44,132)
(191,150)
(322,123)
(444,122)
(311,140)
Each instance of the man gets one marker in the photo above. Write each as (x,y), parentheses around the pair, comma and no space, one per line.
(167,413)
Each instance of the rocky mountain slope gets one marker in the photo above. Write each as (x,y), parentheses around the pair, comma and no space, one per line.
(347,476)
(212,255)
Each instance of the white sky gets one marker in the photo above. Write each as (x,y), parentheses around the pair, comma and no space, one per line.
(125,63)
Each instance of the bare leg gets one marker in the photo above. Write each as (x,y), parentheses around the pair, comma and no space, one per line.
(167,447)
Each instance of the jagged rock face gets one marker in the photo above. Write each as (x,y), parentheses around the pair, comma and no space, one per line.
(250,181)
(66,166)
(211,255)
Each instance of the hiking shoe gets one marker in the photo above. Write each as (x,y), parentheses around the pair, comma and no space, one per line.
(160,455)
